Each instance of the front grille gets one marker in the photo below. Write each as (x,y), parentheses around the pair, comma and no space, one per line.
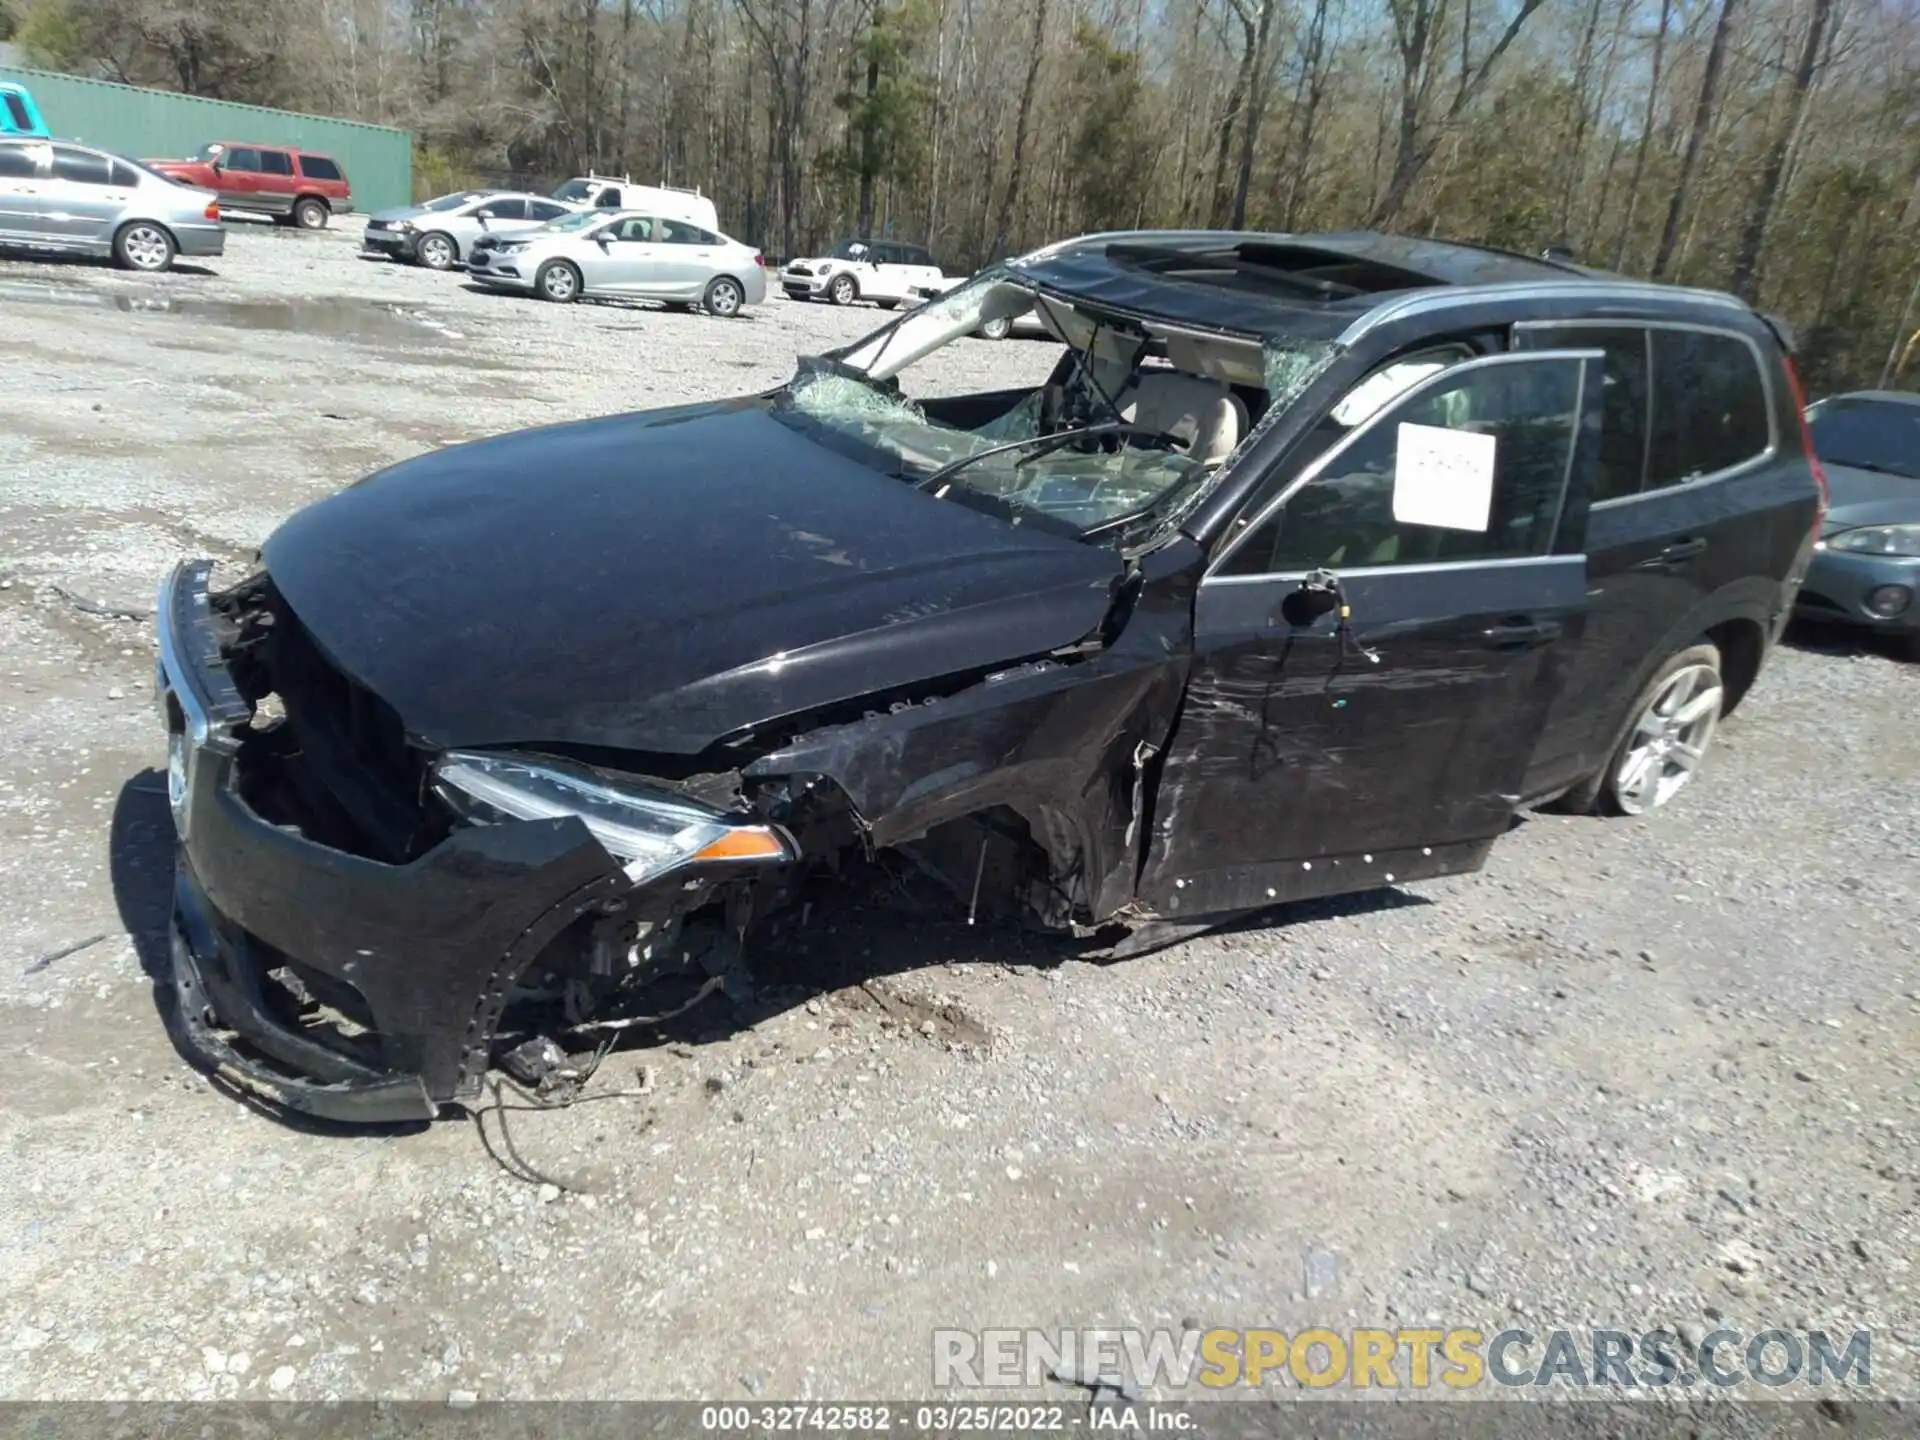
(352,753)
(798,270)
(376,224)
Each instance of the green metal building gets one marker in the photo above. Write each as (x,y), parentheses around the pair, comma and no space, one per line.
(162,125)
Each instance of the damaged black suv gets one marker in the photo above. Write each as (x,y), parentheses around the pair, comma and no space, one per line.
(1315,559)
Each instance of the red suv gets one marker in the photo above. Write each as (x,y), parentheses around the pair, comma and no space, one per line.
(295,187)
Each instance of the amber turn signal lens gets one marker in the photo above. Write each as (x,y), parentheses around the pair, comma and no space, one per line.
(745,843)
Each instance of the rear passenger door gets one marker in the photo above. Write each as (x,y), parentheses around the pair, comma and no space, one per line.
(276,185)
(687,257)
(85,197)
(1687,423)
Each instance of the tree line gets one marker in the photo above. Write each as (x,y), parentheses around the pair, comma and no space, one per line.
(1770,147)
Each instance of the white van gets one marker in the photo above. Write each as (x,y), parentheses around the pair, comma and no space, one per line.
(669,202)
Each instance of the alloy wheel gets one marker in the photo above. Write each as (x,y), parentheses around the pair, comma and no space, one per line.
(723,298)
(146,248)
(1669,739)
(842,290)
(436,252)
(557,283)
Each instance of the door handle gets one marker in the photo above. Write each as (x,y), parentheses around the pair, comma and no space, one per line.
(1677,553)
(1521,633)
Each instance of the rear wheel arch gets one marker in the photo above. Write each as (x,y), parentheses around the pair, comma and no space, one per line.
(1742,644)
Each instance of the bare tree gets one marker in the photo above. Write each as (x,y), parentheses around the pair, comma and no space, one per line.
(1419,29)
(1703,115)
(1746,264)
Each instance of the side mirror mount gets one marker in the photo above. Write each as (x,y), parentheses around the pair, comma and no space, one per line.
(1318,596)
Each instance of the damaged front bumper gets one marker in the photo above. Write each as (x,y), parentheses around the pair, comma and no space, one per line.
(426,953)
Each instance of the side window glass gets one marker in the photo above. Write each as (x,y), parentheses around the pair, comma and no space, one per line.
(545,210)
(81,167)
(678,232)
(241,157)
(318,167)
(17,162)
(17,111)
(1472,468)
(1625,395)
(275,162)
(1709,406)
(125,177)
(504,210)
(636,227)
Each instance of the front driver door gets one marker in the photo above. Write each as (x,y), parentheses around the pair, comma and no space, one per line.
(622,260)
(1318,755)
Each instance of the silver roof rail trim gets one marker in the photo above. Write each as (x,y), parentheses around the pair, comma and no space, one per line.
(1448,297)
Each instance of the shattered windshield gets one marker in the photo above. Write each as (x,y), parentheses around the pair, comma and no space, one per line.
(454,201)
(1133,423)
(848,250)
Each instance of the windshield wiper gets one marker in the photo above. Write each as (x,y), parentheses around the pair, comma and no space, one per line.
(1041,445)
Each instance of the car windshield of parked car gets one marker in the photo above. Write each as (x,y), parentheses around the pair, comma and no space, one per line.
(1881,435)
(574,190)
(209,153)
(1129,428)
(849,250)
(455,201)
(578,220)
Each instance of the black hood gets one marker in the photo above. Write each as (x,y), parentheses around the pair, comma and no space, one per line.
(1869,497)
(660,580)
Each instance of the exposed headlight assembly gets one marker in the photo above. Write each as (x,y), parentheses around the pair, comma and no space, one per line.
(1903,540)
(652,833)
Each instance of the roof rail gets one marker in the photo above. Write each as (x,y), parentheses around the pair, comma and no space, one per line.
(679,189)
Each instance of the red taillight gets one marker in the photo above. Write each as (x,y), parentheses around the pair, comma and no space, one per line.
(212,211)
(759,259)
(1806,440)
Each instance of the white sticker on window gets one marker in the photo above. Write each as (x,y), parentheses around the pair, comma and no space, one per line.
(1443,478)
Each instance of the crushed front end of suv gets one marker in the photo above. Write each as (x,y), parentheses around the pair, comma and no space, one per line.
(1286,582)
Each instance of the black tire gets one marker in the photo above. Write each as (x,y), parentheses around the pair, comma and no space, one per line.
(724,297)
(843,290)
(1601,792)
(311,214)
(557,281)
(145,246)
(437,250)
(995,329)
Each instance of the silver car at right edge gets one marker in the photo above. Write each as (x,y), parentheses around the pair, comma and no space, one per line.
(1866,565)
(626,255)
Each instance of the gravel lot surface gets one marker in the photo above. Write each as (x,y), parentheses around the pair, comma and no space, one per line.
(1632,1075)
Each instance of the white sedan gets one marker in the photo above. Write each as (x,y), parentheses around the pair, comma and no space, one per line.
(625,255)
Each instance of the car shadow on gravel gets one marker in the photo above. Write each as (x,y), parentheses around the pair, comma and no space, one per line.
(860,952)
(140,863)
(856,947)
(1822,637)
(66,266)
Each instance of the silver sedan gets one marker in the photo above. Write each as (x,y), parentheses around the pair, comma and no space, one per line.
(56,196)
(441,233)
(626,255)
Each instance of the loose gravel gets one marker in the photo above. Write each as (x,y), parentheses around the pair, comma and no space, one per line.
(1634,1074)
